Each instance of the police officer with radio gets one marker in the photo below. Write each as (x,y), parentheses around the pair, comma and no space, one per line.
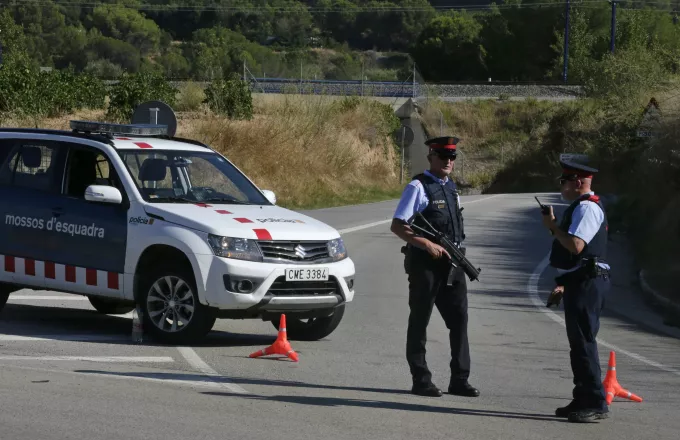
(578,253)
(427,264)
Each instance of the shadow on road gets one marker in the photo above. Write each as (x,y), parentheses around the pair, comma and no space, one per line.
(27,320)
(325,401)
(380,404)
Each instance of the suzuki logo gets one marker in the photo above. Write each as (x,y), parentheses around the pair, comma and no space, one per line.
(300,251)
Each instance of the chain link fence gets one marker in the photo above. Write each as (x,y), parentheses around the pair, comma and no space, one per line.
(355,83)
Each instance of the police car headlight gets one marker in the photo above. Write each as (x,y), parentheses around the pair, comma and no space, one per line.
(237,248)
(336,249)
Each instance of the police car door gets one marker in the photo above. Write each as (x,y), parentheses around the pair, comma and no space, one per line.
(29,183)
(91,236)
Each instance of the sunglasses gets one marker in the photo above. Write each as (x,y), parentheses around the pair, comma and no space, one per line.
(446,157)
(564,179)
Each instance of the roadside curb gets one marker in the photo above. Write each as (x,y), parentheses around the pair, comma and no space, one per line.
(669,309)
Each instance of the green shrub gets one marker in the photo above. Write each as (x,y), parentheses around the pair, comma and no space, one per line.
(230,97)
(390,121)
(620,78)
(26,91)
(190,98)
(103,69)
(135,89)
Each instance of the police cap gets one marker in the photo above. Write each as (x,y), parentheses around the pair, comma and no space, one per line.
(576,165)
(444,145)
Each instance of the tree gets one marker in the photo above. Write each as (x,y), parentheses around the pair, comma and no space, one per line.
(449,48)
(127,25)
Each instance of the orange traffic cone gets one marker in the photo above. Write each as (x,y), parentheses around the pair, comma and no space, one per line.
(611,385)
(280,346)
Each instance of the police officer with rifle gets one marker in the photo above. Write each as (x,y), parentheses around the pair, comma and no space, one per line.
(578,253)
(429,219)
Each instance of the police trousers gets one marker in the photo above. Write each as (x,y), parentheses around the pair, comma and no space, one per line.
(584,299)
(427,288)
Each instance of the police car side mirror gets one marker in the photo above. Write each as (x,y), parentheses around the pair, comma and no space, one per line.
(270,196)
(103,194)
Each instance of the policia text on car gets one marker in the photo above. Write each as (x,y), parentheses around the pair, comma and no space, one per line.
(578,253)
(428,265)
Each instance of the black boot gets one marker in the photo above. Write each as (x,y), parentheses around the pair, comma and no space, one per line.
(463,389)
(566,410)
(587,415)
(426,389)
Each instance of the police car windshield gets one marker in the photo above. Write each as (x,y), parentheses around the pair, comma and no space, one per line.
(165,176)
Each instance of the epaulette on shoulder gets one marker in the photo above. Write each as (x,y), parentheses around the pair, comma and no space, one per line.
(593,198)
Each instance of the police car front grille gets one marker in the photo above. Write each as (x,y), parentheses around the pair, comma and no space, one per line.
(294,251)
(281,287)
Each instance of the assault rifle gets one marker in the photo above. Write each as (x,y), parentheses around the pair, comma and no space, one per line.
(457,256)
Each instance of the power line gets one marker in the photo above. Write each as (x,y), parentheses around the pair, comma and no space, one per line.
(181,7)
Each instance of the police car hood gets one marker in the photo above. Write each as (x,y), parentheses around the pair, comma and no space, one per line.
(244,221)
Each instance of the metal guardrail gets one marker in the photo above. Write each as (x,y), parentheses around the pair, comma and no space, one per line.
(336,87)
(391,89)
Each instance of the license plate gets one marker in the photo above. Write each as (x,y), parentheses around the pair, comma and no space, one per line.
(315,274)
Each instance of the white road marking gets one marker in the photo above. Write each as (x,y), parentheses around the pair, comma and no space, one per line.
(532,289)
(146,359)
(198,363)
(49,297)
(382,222)
(83,337)
(129,376)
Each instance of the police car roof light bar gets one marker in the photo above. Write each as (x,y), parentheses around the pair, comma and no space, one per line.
(124,129)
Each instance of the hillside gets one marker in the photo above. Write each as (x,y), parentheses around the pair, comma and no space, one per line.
(331,39)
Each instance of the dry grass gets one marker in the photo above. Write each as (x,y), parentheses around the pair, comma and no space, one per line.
(310,152)
(493,133)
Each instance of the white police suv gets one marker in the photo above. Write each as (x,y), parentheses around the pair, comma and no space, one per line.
(130,216)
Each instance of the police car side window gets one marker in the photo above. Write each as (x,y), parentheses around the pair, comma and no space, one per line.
(87,167)
(5,148)
(30,165)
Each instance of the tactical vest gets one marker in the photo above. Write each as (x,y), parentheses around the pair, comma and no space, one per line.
(442,211)
(561,258)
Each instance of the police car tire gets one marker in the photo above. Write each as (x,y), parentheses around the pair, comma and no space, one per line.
(203,317)
(316,329)
(110,306)
(4,296)
(5,291)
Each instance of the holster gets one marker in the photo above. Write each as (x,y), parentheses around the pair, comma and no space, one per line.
(407,258)
(589,270)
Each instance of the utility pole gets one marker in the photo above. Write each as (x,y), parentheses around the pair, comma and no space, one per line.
(414,80)
(566,43)
(362,78)
(403,136)
(613,27)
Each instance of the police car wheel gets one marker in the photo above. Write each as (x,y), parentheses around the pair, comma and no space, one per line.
(110,306)
(172,312)
(5,291)
(312,329)
(4,296)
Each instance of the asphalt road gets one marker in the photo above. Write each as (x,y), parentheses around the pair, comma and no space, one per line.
(68,372)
